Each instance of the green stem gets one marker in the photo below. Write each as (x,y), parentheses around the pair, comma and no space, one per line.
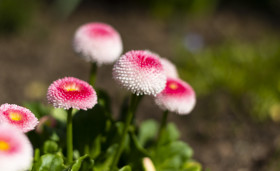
(92,76)
(163,124)
(36,155)
(35,159)
(129,116)
(86,149)
(69,136)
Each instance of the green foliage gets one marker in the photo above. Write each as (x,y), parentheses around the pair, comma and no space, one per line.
(172,156)
(84,163)
(125,168)
(248,72)
(147,131)
(104,161)
(48,162)
(94,124)
(50,147)
(191,166)
(95,139)
(170,153)
(171,133)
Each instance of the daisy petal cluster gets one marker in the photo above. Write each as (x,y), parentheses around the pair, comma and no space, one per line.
(70,92)
(18,117)
(15,149)
(98,42)
(169,68)
(178,96)
(140,72)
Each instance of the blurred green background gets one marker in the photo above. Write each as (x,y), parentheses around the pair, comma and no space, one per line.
(228,50)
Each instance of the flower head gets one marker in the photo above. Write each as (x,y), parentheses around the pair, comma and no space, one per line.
(178,96)
(98,42)
(17,116)
(169,68)
(15,149)
(140,72)
(70,92)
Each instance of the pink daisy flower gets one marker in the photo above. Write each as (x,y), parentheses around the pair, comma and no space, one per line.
(98,42)
(178,96)
(70,92)
(140,72)
(17,116)
(169,68)
(15,149)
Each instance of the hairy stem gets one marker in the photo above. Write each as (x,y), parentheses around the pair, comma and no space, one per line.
(129,116)
(162,128)
(69,136)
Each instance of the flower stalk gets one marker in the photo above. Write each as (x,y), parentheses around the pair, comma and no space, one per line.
(69,136)
(132,108)
(163,124)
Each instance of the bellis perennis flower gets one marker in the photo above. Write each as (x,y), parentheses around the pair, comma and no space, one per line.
(18,117)
(140,72)
(178,96)
(169,68)
(70,92)
(98,42)
(15,149)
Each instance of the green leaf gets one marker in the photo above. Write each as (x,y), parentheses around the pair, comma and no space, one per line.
(171,156)
(50,147)
(59,114)
(84,163)
(125,168)
(147,131)
(96,147)
(192,166)
(104,100)
(103,162)
(108,147)
(47,162)
(134,153)
(112,136)
(87,126)
(170,134)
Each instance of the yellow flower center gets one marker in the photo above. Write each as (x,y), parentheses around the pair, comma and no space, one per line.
(15,116)
(71,87)
(173,86)
(4,146)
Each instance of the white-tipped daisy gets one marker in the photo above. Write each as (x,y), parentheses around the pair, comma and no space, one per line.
(98,42)
(140,72)
(178,96)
